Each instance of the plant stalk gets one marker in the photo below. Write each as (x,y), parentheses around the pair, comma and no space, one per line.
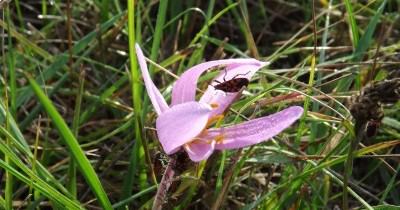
(164,185)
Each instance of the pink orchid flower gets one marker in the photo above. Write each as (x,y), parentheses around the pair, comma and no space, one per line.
(185,122)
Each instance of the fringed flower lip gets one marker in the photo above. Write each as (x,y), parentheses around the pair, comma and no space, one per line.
(185,123)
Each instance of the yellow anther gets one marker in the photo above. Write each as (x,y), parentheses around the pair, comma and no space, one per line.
(219,138)
(214,105)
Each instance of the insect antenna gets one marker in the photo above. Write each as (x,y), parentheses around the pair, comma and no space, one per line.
(240,75)
(226,72)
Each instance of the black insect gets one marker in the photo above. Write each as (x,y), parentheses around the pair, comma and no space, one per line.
(233,85)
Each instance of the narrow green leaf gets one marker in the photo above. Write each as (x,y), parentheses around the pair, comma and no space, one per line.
(41,186)
(60,60)
(32,178)
(73,145)
(137,151)
(352,22)
(362,47)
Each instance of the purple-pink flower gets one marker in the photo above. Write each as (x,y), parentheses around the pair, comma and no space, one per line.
(185,123)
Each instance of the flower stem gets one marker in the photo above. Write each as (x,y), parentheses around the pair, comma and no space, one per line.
(164,185)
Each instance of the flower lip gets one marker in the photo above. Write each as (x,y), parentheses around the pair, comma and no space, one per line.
(233,73)
(219,99)
(199,150)
(184,89)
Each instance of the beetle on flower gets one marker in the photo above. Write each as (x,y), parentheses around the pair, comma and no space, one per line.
(186,122)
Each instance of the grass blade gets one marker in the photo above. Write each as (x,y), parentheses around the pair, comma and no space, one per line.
(362,47)
(137,151)
(352,22)
(75,128)
(73,145)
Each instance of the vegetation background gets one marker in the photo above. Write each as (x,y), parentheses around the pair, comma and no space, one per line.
(77,130)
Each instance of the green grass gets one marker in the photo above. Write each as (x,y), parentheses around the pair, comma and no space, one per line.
(87,140)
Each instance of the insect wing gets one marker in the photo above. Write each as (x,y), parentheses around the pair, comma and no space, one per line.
(233,85)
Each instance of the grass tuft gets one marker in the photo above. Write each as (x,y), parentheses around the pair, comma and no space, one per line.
(75,141)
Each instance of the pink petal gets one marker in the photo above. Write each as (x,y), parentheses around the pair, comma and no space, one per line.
(224,100)
(185,88)
(255,131)
(155,96)
(219,98)
(180,124)
(199,150)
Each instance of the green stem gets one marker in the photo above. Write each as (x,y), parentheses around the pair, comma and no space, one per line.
(137,154)
(359,131)
(75,128)
(158,33)
(19,13)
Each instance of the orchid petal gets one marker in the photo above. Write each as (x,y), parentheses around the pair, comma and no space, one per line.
(155,96)
(218,99)
(222,99)
(181,124)
(255,131)
(184,89)
(199,150)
